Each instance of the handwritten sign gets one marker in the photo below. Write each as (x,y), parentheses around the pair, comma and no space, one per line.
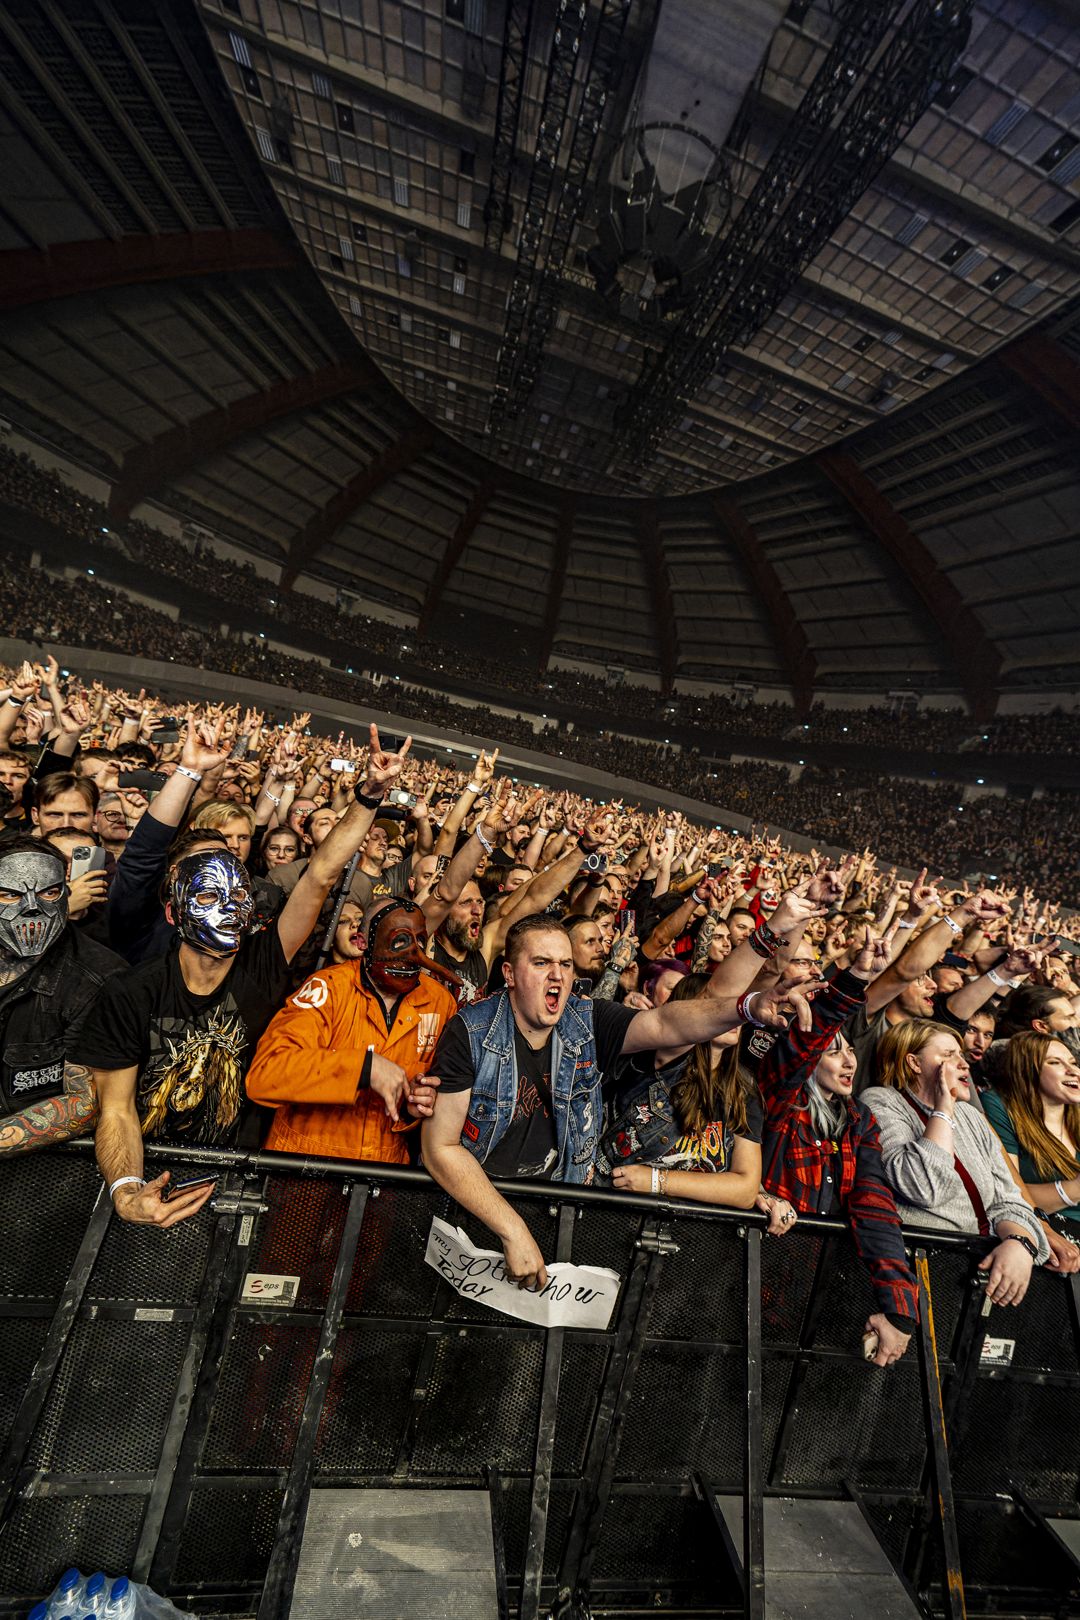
(575,1296)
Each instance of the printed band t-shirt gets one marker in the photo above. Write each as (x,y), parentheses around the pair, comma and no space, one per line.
(472,970)
(528,1146)
(192,1051)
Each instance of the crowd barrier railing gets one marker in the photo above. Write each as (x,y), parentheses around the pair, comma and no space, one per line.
(169,1411)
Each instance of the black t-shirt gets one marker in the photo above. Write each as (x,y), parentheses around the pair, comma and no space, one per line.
(472,971)
(528,1145)
(192,1051)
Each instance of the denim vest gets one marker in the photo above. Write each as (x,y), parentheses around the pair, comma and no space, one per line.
(575,1083)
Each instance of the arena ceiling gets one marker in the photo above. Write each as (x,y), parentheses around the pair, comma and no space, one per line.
(341,279)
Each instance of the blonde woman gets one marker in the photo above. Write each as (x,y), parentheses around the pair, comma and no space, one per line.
(941,1158)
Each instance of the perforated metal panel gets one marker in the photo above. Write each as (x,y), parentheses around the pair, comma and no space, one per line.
(111,1397)
(425,1389)
(46,1535)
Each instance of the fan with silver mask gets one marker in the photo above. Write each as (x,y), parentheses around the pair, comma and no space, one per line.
(33,902)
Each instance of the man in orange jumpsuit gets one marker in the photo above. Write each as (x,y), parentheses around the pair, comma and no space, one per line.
(353,1044)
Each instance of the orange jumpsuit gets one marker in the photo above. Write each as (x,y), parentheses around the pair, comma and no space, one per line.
(308,1064)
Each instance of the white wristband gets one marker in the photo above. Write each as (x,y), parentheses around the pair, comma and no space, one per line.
(1063,1195)
(655,1179)
(954,927)
(123,1181)
(193,776)
(995,978)
(939,1113)
(483,841)
(906,924)
(472,787)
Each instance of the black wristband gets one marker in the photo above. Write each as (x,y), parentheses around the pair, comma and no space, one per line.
(365,1071)
(1015,1237)
(368,801)
(902,1324)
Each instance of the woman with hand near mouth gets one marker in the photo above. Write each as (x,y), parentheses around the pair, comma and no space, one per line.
(1035,1109)
(942,1158)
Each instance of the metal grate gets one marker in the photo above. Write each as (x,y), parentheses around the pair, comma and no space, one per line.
(369,1401)
(260,1395)
(230,1532)
(45,1203)
(170,1271)
(46,1535)
(481,1404)
(111,1398)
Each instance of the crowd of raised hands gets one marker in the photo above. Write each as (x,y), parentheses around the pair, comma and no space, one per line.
(720,864)
(742,983)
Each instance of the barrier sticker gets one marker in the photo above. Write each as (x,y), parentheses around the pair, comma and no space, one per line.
(997,1352)
(575,1296)
(264,1288)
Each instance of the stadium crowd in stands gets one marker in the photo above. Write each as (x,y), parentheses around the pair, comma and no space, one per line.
(23,483)
(217,928)
(1030,841)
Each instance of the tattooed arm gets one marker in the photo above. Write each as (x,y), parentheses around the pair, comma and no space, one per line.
(53,1119)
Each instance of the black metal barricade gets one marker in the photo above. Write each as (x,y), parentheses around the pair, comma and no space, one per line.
(161,1421)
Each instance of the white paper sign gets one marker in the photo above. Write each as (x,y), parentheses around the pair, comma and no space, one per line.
(575,1296)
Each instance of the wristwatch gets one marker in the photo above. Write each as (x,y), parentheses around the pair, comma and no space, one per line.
(1015,1237)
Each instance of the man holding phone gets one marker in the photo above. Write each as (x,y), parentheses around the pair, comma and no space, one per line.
(171,1041)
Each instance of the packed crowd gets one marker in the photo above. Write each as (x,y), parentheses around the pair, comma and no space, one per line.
(1032,841)
(219,929)
(24,484)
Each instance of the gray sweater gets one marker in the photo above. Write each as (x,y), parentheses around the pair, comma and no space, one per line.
(928,1190)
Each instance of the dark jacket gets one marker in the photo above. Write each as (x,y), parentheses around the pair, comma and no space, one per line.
(40,1016)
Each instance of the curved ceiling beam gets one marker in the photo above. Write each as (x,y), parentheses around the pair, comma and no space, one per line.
(1043,366)
(659,582)
(964,642)
(307,542)
(455,547)
(792,648)
(152,466)
(68,269)
(560,558)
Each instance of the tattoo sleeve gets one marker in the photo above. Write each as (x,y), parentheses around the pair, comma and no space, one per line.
(54,1119)
(706,933)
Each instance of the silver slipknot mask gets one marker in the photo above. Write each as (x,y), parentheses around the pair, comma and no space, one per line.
(33,902)
(212,901)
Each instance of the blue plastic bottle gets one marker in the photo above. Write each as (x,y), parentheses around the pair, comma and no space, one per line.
(95,1597)
(121,1604)
(67,1598)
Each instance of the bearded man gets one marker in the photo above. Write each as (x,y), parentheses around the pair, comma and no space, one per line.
(457,943)
(50,977)
(353,1045)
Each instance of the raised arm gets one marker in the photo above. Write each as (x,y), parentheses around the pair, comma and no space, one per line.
(302,908)
(930,945)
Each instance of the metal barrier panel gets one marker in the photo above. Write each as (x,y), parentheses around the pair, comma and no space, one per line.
(160,1419)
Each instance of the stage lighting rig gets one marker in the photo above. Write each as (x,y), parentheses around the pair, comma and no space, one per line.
(658,214)
(884,67)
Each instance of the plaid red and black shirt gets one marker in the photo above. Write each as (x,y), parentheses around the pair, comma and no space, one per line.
(816,1174)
